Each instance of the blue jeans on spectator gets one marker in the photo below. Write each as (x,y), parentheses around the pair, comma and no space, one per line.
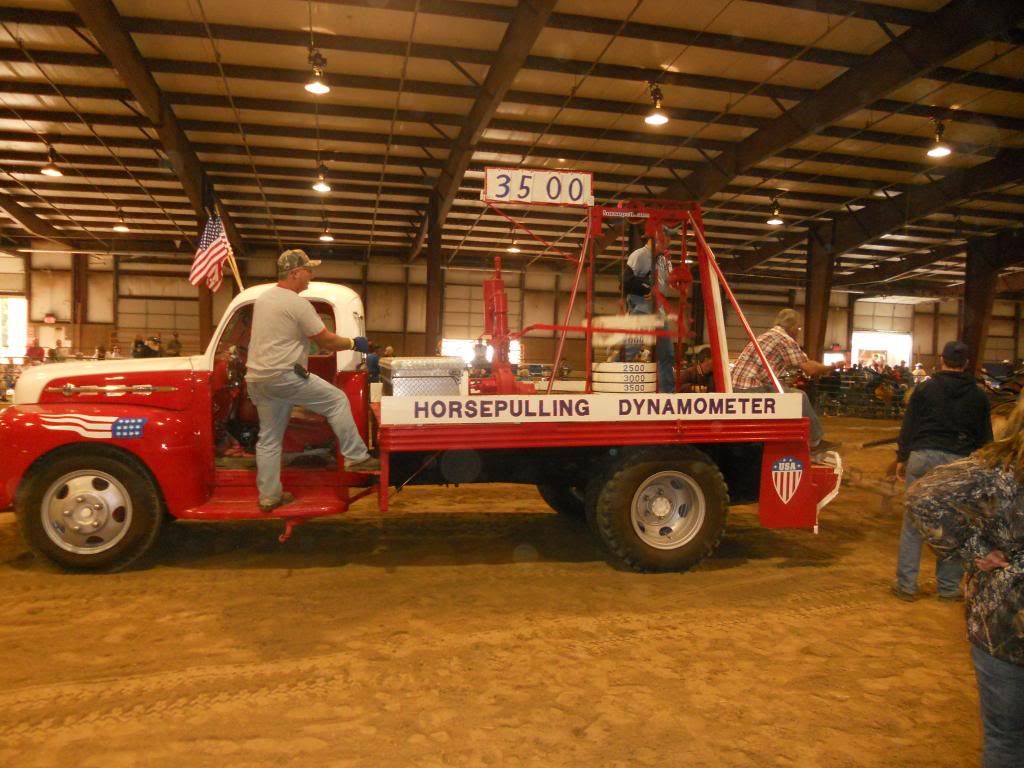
(274,399)
(947,570)
(664,352)
(806,410)
(1001,695)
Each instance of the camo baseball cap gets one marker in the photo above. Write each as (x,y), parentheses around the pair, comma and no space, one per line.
(295,259)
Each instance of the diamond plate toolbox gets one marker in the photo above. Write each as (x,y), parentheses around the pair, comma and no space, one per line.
(414,376)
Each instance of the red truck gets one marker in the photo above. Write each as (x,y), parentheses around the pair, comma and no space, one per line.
(98,454)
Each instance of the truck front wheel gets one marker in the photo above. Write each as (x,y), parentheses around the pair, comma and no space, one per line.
(93,511)
(661,509)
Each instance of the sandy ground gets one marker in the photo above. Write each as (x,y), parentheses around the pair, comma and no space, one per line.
(473,627)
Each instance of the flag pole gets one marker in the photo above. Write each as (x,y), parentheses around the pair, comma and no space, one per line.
(234,266)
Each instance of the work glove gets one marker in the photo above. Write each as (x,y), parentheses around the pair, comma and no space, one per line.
(360,344)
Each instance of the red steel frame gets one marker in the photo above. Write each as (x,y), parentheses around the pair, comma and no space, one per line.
(656,214)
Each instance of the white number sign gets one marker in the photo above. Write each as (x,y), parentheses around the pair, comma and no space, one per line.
(529,186)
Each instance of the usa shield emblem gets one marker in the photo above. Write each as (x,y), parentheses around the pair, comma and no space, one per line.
(786,474)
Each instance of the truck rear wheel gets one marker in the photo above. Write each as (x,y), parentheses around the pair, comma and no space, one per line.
(661,509)
(566,500)
(95,511)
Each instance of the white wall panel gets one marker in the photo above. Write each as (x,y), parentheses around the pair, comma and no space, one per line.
(538,307)
(416,314)
(51,293)
(136,285)
(384,308)
(48,260)
(390,271)
(100,298)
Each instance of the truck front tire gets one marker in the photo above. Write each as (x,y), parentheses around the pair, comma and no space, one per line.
(89,511)
(660,509)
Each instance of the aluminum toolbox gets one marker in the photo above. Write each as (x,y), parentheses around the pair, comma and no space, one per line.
(412,376)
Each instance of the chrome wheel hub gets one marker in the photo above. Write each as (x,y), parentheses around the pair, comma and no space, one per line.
(668,510)
(86,511)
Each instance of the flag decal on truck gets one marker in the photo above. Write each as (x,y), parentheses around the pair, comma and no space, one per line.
(100,427)
(786,474)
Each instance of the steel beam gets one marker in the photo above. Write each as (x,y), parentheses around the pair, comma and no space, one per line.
(29,220)
(956,28)
(566,21)
(102,19)
(523,31)
(879,217)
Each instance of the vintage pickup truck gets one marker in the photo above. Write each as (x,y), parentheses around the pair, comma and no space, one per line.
(97,455)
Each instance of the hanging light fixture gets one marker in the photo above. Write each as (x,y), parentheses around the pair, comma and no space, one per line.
(326,236)
(776,218)
(321,185)
(122,225)
(657,115)
(316,84)
(939,148)
(513,248)
(50,169)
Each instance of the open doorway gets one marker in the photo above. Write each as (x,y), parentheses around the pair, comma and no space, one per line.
(869,348)
(13,326)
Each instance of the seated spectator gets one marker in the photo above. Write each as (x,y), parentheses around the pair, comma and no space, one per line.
(151,348)
(373,363)
(35,353)
(139,346)
(173,348)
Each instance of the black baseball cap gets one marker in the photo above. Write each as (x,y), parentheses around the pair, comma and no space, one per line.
(954,354)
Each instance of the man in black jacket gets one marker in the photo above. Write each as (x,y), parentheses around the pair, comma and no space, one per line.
(947,419)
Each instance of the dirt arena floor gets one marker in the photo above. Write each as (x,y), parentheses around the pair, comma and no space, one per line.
(473,627)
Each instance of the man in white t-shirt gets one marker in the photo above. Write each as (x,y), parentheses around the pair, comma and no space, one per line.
(283,324)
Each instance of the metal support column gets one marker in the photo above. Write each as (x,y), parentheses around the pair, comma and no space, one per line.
(435,278)
(979,291)
(820,268)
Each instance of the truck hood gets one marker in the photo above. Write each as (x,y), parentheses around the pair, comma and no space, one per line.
(160,382)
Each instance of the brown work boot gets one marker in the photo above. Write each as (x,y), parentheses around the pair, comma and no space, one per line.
(367,465)
(269,505)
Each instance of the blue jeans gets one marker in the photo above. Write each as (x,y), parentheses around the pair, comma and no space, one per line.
(664,352)
(274,400)
(947,570)
(1001,694)
(806,410)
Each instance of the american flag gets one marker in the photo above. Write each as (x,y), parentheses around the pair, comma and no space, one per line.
(213,251)
(122,427)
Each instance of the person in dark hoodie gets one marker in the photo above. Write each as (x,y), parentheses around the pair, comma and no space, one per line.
(947,418)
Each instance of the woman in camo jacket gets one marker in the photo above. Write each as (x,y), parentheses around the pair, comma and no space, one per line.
(974,507)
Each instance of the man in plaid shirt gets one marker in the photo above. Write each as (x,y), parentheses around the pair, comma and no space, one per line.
(782,353)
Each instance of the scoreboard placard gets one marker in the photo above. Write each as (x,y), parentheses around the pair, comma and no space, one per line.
(530,186)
